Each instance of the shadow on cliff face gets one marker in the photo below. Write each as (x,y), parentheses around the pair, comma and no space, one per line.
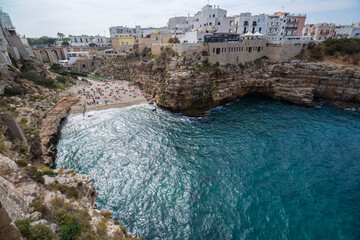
(7,231)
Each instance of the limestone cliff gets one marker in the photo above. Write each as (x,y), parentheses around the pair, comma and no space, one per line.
(192,85)
(41,203)
(50,129)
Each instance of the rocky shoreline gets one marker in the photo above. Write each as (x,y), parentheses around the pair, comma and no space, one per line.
(191,85)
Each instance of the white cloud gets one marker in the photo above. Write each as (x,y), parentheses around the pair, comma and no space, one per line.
(47,17)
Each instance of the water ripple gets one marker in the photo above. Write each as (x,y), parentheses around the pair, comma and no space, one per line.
(257,169)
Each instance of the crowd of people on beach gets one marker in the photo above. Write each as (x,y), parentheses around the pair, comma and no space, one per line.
(109,92)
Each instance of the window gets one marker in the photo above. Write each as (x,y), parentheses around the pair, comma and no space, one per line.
(213,15)
(260,30)
(246,23)
(219,23)
(213,50)
(250,49)
(122,43)
(254,23)
(259,49)
(209,16)
(217,50)
(210,24)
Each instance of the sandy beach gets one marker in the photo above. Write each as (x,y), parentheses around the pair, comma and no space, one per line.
(94,95)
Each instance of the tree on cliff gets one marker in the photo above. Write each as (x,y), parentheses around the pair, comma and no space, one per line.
(60,35)
(174,40)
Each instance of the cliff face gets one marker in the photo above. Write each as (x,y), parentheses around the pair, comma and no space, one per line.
(188,86)
(50,129)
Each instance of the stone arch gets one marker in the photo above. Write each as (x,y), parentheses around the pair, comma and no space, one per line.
(55,53)
(46,54)
(37,55)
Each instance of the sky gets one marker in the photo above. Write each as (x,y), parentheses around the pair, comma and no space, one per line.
(35,18)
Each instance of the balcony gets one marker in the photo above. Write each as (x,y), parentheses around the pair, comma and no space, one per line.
(290,27)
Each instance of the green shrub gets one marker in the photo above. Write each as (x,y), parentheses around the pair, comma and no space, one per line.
(23,149)
(71,230)
(72,192)
(22,162)
(40,207)
(61,79)
(13,91)
(62,188)
(49,172)
(40,80)
(56,66)
(3,103)
(101,228)
(37,232)
(24,121)
(41,232)
(24,227)
(35,174)
(62,217)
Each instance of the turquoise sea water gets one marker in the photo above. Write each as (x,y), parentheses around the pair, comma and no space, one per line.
(256,169)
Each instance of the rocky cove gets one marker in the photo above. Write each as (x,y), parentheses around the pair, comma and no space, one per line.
(189,85)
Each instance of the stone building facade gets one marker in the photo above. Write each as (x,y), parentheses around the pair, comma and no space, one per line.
(235,52)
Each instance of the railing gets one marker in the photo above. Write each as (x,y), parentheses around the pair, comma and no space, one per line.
(290,27)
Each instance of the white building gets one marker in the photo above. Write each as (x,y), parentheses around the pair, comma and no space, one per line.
(271,26)
(100,41)
(79,41)
(120,31)
(85,41)
(180,25)
(275,27)
(148,31)
(193,36)
(213,18)
(174,21)
(348,31)
(71,57)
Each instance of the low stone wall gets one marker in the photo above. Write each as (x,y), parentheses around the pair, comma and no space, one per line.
(284,51)
(188,48)
(156,47)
